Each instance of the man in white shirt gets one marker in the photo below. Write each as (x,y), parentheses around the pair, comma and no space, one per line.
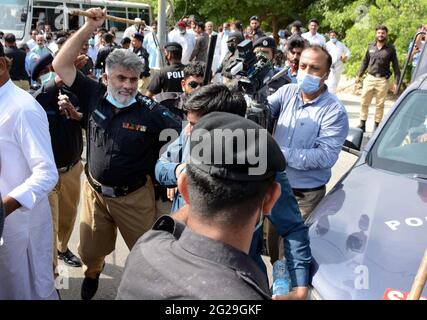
(32,42)
(184,38)
(312,36)
(340,54)
(151,43)
(28,174)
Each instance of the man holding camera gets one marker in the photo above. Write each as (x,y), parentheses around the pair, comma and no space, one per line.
(230,58)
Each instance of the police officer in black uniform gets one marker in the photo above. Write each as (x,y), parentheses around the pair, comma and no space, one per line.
(230,58)
(169,78)
(67,145)
(210,260)
(193,79)
(123,132)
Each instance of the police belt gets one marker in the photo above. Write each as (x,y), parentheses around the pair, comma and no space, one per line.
(67,168)
(113,192)
(379,75)
(309,189)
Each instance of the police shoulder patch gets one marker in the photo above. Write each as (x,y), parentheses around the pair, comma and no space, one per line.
(147,102)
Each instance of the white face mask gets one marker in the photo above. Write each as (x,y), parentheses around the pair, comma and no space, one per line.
(117,101)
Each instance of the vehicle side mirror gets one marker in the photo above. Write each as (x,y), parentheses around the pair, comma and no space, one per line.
(354,139)
(23,17)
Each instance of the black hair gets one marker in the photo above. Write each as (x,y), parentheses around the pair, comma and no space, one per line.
(295,42)
(125,40)
(201,25)
(315,21)
(333,31)
(175,51)
(108,37)
(381,27)
(225,202)
(195,69)
(318,48)
(297,24)
(216,97)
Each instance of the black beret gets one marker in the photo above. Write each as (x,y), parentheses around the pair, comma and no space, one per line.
(42,63)
(235,36)
(230,147)
(173,46)
(138,36)
(254,18)
(265,42)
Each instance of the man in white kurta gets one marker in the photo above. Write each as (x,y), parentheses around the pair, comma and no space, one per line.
(27,174)
(185,39)
(340,54)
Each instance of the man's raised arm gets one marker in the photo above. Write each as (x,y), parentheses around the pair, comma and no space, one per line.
(63,63)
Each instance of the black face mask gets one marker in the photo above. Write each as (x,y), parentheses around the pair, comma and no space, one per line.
(231,48)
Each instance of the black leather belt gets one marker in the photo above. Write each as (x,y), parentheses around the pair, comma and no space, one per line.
(309,189)
(378,75)
(67,168)
(114,192)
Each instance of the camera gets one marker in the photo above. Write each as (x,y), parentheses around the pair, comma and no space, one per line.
(253,72)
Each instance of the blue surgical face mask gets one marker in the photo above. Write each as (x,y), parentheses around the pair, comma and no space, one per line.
(226,32)
(307,82)
(334,40)
(117,104)
(47,77)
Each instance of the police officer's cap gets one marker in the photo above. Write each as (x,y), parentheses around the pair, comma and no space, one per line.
(210,147)
(265,42)
(173,46)
(236,36)
(138,36)
(41,64)
(254,18)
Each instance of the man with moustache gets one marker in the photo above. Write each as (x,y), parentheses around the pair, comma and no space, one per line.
(123,133)
(377,60)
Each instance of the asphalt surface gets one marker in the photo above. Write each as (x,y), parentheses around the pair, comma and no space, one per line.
(71,279)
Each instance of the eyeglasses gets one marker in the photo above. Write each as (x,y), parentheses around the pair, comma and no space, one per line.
(195,84)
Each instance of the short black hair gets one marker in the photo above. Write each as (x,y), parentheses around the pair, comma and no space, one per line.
(216,97)
(201,25)
(227,203)
(332,31)
(295,42)
(297,24)
(381,27)
(315,21)
(108,37)
(125,40)
(318,48)
(175,49)
(10,38)
(195,69)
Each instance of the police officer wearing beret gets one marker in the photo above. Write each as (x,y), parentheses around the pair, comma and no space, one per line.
(208,241)
(257,33)
(67,145)
(168,79)
(123,132)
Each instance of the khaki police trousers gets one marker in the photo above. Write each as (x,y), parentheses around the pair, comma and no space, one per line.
(307,202)
(64,200)
(373,86)
(100,217)
(23,84)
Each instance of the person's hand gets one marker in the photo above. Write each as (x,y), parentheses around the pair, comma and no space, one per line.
(297,293)
(394,89)
(80,61)
(170,193)
(98,17)
(10,205)
(422,138)
(179,169)
(67,108)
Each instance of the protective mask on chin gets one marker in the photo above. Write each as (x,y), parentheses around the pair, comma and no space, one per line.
(117,104)
(307,82)
(47,77)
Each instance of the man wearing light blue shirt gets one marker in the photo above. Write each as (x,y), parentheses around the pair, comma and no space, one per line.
(311,128)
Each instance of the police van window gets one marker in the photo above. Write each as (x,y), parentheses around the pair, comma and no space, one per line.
(117,12)
(402,145)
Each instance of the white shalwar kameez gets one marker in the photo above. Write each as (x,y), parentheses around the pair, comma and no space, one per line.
(27,174)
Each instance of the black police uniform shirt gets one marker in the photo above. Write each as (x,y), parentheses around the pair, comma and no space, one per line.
(174,101)
(17,71)
(142,53)
(168,79)
(66,134)
(122,147)
(172,262)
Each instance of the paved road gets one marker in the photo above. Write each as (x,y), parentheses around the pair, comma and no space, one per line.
(111,275)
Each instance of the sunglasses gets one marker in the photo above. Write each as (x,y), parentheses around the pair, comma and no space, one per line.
(194,84)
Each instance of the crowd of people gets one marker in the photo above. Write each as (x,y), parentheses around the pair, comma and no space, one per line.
(194,224)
